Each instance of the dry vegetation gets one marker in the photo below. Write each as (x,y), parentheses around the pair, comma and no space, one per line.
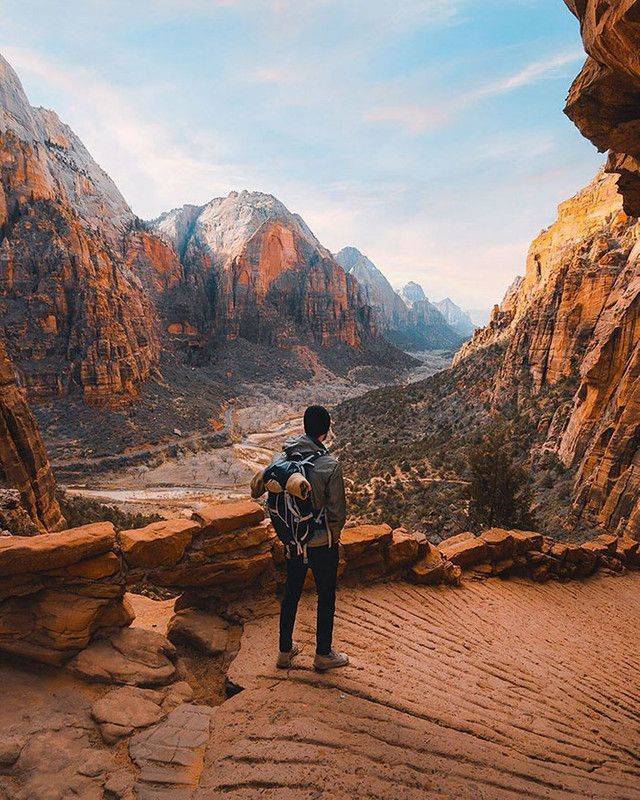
(406,449)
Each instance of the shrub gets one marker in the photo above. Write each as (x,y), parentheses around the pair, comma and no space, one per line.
(499,491)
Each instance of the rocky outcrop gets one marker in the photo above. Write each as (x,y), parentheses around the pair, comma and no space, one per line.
(58,590)
(23,462)
(604,100)
(576,315)
(62,595)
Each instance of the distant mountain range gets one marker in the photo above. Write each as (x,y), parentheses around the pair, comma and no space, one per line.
(411,321)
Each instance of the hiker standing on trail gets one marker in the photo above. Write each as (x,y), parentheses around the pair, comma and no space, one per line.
(308,510)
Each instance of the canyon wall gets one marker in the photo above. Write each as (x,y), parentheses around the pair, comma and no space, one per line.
(76,318)
(88,292)
(573,323)
(23,461)
(604,100)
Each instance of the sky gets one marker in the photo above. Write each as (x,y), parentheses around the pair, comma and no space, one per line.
(427,133)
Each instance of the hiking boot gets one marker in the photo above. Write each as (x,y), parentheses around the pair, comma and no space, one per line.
(286,657)
(332,660)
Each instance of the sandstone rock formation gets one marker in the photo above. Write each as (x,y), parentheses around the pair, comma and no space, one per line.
(23,461)
(603,100)
(576,315)
(57,590)
(264,275)
(76,318)
(88,291)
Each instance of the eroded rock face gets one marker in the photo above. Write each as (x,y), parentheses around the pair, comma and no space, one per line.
(58,590)
(577,313)
(604,100)
(23,460)
(261,274)
(77,319)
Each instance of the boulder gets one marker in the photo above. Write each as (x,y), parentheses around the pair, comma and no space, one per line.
(170,755)
(500,544)
(124,709)
(526,540)
(235,574)
(402,550)
(206,632)
(466,536)
(431,569)
(464,553)
(225,517)
(609,541)
(629,551)
(160,544)
(52,626)
(257,539)
(52,551)
(133,656)
(362,539)
(452,574)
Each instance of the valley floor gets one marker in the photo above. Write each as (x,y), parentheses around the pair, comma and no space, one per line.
(495,691)
(169,482)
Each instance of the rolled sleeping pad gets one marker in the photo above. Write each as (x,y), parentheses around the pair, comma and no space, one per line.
(298,486)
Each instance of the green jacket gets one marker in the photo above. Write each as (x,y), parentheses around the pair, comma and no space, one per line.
(327,484)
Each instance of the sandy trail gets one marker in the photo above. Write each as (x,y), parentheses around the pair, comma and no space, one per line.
(496,690)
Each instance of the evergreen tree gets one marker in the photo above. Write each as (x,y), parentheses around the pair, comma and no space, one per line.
(499,490)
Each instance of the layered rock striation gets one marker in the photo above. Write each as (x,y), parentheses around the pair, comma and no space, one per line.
(573,323)
(76,316)
(258,272)
(23,461)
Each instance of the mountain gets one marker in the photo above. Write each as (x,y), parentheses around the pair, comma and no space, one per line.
(92,299)
(412,293)
(560,357)
(419,328)
(377,289)
(425,324)
(458,319)
(260,273)
(76,317)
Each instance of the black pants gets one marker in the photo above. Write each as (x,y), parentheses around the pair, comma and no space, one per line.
(323,562)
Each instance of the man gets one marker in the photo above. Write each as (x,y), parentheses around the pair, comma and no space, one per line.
(321,552)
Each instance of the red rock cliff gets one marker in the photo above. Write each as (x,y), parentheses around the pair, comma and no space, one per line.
(575,320)
(77,318)
(23,460)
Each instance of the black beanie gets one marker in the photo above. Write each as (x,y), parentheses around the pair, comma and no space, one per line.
(317,421)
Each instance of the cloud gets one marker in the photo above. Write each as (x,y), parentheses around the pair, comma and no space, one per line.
(531,73)
(416,119)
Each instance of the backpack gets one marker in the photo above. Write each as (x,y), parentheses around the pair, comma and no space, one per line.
(292,514)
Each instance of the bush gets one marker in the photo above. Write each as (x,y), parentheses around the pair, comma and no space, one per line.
(499,491)
(82,511)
